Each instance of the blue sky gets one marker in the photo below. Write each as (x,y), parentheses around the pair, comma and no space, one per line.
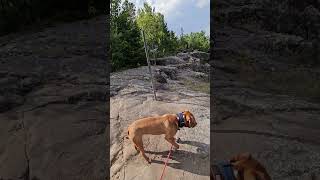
(192,15)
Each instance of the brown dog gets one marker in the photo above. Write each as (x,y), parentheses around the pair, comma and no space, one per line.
(248,168)
(167,124)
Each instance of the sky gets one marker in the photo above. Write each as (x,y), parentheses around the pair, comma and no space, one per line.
(191,15)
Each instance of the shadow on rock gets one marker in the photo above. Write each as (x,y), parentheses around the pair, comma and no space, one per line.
(194,163)
(202,148)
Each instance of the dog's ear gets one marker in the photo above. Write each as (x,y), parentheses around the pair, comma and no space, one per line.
(242,156)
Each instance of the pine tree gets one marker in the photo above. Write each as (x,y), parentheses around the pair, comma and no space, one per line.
(126,45)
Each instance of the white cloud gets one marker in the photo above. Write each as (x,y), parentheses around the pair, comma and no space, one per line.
(175,10)
(170,7)
(166,7)
(202,3)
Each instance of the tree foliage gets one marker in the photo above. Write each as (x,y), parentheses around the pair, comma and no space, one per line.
(153,25)
(126,40)
(126,45)
(197,41)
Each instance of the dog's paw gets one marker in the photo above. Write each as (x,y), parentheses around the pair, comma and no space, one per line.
(175,148)
(136,153)
(178,140)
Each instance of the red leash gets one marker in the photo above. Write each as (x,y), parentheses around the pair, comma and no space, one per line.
(165,164)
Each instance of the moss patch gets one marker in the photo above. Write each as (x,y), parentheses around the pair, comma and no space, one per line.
(203,87)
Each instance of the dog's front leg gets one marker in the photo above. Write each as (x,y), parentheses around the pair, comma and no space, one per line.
(172,141)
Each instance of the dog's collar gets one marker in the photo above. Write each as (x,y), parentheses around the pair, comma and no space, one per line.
(181,120)
(225,170)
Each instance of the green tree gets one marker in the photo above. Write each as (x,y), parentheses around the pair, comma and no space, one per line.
(197,41)
(126,46)
(171,42)
(126,41)
(182,42)
(156,30)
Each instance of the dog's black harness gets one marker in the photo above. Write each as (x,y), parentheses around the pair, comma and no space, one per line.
(223,169)
(181,120)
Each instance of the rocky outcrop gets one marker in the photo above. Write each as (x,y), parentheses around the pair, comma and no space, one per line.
(278,19)
(176,90)
(53,103)
(168,60)
(170,72)
(184,56)
(203,56)
(264,81)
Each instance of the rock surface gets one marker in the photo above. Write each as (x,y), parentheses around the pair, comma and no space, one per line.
(265,93)
(204,57)
(169,60)
(53,103)
(133,99)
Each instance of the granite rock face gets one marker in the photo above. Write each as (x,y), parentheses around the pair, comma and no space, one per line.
(53,103)
(265,85)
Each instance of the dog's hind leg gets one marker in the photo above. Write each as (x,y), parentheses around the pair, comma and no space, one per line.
(139,145)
